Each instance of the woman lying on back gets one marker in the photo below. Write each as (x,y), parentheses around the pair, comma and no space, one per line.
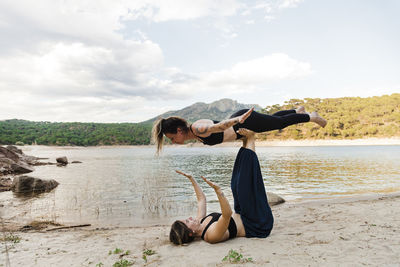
(252,216)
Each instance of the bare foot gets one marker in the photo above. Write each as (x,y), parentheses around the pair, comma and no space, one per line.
(315,117)
(245,132)
(301,110)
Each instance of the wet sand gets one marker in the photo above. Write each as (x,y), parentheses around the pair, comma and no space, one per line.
(357,231)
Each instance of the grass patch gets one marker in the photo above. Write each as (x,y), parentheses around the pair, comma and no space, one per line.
(123,263)
(236,257)
(116,251)
(10,238)
(147,252)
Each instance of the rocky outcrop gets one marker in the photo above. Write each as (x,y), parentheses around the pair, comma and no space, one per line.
(13,161)
(27,184)
(274,199)
(21,167)
(15,149)
(9,154)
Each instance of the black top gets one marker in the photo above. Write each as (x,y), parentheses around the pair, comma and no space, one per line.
(215,216)
(213,139)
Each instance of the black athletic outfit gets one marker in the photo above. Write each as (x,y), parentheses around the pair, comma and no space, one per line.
(258,123)
(215,216)
(249,196)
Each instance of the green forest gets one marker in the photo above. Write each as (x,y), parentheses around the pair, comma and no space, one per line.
(348,118)
(73,133)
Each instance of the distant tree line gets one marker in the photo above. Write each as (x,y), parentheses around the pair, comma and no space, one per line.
(348,118)
(74,133)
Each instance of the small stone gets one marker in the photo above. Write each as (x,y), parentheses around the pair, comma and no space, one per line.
(62,160)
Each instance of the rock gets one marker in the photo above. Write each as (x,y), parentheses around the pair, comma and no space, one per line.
(6,153)
(14,149)
(5,184)
(21,167)
(62,160)
(274,199)
(27,184)
(76,161)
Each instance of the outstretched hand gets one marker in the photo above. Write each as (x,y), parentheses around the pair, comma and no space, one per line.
(184,174)
(244,116)
(214,186)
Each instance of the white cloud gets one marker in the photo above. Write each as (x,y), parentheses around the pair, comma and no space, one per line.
(165,10)
(289,3)
(78,69)
(59,58)
(276,66)
(244,76)
(271,8)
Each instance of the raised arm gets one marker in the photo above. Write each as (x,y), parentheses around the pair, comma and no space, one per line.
(204,128)
(201,198)
(216,233)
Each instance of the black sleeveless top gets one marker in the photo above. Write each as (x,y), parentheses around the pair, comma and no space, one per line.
(213,139)
(215,216)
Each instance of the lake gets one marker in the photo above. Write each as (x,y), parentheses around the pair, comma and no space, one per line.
(129,186)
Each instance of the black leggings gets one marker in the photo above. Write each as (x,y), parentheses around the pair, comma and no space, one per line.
(259,123)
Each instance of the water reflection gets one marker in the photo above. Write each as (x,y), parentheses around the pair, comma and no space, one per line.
(129,186)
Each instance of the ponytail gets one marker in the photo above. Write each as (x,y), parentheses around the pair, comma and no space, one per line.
(158,135)
(168,125)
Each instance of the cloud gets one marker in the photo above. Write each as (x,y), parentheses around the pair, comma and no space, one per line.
(271,8)
(244,76)
(289,3)
(59,58)
(167,10)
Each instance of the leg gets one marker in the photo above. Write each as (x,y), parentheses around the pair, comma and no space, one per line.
(259,123)
(284,112)
(249,138)
(250,198)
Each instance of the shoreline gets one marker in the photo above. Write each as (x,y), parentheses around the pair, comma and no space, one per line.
(351,232)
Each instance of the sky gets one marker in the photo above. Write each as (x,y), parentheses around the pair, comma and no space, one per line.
(129,61)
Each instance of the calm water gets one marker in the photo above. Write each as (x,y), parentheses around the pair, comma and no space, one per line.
(130,186)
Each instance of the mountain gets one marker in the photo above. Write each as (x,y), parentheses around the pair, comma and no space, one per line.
(217,110)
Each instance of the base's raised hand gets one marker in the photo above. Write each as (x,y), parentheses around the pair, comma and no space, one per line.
(214,186)
(184,174)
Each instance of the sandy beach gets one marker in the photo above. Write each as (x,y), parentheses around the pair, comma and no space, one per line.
(355,231)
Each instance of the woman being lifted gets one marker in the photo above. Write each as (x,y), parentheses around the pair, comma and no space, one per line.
(211,132)
(252,216)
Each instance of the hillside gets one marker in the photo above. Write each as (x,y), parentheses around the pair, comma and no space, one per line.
(217,110)
(348,118)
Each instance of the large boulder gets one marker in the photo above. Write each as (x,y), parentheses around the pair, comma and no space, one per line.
(274,199)
(27,184)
